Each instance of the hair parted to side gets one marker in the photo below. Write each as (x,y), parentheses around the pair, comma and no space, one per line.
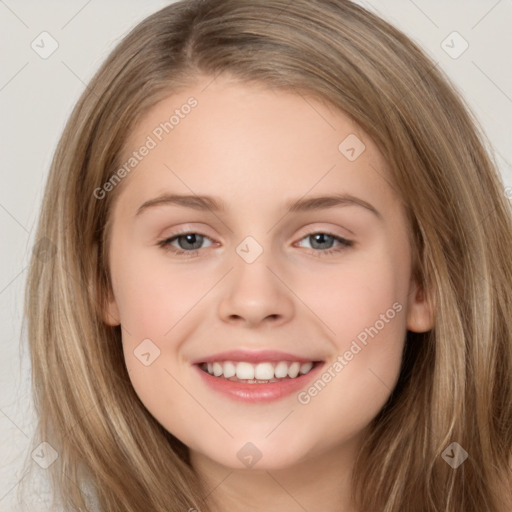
(456,380)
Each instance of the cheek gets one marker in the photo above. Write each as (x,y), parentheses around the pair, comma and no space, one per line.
(151,301)
(363,303)
(365,307)
(153,295)
(351,296)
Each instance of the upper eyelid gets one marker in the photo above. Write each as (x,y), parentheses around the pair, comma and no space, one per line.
(309,231)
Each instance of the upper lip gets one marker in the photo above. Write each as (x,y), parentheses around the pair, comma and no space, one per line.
(259,356)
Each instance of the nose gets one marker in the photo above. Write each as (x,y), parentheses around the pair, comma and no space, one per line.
(255,294)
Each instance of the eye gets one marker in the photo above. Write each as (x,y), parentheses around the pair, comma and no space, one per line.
(189,243)
(322,243)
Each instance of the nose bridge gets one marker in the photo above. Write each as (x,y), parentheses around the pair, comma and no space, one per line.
(254,293)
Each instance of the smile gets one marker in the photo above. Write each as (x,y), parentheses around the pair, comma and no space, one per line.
(256,376)
(260,373)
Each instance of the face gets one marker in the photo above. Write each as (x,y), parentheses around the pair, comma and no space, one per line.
(261,274)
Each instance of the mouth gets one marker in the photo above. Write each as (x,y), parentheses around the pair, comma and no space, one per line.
(257,377)
(260,373)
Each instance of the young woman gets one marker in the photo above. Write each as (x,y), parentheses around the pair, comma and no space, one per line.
(280,274)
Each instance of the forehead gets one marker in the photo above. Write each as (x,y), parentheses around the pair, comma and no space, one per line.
(250,143)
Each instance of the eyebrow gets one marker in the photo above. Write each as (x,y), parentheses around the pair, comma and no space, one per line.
(213,204)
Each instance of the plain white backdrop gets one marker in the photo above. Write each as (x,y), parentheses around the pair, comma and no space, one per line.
(38,91)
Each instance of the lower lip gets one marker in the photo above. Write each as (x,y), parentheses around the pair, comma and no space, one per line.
(258,392)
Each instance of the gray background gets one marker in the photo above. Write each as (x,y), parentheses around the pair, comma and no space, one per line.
(37,95)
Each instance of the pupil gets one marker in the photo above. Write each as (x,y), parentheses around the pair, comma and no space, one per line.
(322,239)
(191,239)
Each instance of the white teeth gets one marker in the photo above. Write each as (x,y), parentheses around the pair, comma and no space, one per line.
(245,371)
(229,370)
(217,369)
(281,370)
(305,368)
(293,371)
(264,371)
(260,372)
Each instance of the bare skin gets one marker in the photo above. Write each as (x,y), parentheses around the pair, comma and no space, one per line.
(256,150)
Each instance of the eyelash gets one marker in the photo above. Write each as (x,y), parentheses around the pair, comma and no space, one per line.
(165,244)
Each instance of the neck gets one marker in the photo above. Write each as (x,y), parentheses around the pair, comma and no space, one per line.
(321,482)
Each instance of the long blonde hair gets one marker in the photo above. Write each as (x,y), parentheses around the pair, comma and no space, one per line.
(456,380)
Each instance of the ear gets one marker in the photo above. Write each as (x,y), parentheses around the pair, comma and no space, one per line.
(420,309)
(110,311)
